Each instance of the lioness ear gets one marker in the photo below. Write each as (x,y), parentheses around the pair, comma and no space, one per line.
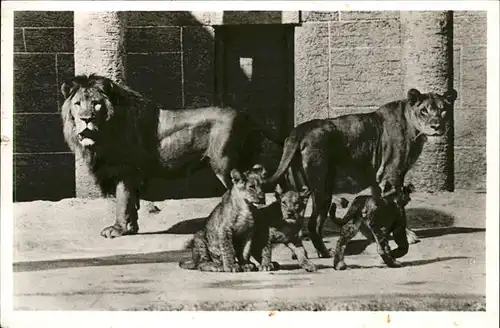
(236,176)
(260,170)
(413,96)
(451,96)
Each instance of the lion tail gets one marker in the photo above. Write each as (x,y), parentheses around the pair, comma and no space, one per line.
(290,148)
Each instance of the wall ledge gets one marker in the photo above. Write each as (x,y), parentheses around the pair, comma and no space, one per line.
(249,17)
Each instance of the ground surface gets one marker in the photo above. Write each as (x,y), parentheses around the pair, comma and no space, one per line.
(61,262)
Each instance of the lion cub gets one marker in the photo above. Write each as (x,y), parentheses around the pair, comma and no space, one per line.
(228,231)
(280,223)
(375,223)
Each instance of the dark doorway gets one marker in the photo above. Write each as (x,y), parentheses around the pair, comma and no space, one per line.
(255,72)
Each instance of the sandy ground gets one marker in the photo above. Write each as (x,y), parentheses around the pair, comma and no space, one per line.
(61,262)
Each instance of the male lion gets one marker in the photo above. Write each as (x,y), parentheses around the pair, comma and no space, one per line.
(374,149)
(228,231)
(126,139)
(280,223)
(376,222)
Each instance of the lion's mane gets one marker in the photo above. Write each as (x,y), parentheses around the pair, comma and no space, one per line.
(127,141)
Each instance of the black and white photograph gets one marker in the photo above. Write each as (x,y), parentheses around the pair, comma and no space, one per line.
(162,157)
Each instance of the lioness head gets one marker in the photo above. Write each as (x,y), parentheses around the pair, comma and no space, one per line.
(430,111)
(249,184)
(86,107)
(292,203)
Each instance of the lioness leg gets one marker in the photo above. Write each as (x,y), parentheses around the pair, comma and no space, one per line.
(316,221)
(399,233)
(398,186)
(126,211)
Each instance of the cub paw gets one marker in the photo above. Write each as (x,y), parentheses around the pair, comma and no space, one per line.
(210,267)
(114,231)
(273,266)
(412,237)
(340,265)
(248,267)
(232,268)
(309,266)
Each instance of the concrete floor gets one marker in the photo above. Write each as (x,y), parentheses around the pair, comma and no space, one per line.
(61,262)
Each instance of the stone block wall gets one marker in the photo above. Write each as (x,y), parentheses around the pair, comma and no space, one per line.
(349,62)
(170,59)
(43,57)
(344,62)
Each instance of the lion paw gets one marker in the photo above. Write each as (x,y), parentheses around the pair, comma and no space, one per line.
(412,237)
(340,265)
(113,232)
(309,266)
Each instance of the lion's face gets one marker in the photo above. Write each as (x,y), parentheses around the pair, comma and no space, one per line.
(249,184)
(431,111)
(292,203)
(87,108)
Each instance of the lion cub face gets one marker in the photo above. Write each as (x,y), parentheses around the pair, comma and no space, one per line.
(249,184)
(292,203)
(431,111)
(88,106)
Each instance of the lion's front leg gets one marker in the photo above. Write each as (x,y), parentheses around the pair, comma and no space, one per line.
(411,236)
(126,212)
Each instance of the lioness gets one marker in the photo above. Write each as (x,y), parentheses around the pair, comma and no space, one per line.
(376,222)
(125,140)
(374,149)
(228,232)
(279,223)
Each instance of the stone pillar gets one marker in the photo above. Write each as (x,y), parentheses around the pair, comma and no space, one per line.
(100,49)
(427,59)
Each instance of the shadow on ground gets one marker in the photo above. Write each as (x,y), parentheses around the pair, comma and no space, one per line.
(186,227)
(409,263)
(144,258)
(417,218)
(357,246)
